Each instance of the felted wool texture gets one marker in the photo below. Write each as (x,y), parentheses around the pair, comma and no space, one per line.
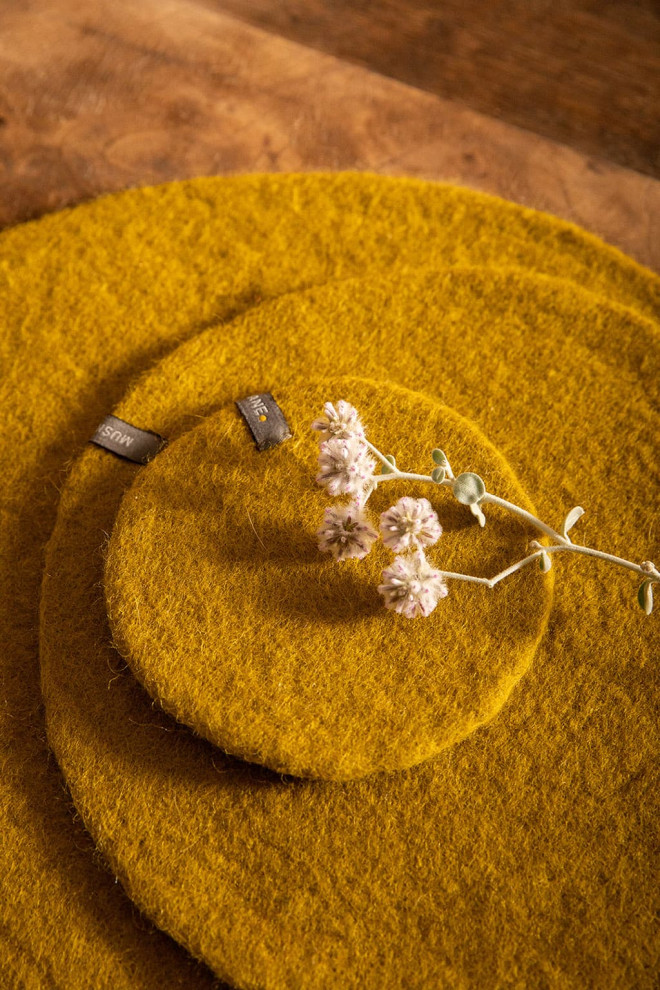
(222,605)
(523,856)
(88,297)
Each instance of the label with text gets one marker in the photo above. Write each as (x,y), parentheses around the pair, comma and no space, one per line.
(129,442)
(265,420)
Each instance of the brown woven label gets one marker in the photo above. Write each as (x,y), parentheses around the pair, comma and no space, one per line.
(265,420)
(127,441)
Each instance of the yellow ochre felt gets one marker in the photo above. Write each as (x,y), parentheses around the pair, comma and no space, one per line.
(88,298)
(220,601)
(525,855)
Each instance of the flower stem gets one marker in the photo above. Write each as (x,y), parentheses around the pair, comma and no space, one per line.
(396,475)
(491,582)
(527,516)
(562,543)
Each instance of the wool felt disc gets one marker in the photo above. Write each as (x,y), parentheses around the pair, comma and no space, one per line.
(524,855)
(88,297)
(219,600)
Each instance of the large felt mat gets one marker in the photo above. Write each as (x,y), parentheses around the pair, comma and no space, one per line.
(524,855)
(88,298)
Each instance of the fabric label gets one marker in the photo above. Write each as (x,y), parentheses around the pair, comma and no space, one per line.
(127,441)
(265,420)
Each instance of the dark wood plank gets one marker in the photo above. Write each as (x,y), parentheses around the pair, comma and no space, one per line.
(98,96)
(583,72)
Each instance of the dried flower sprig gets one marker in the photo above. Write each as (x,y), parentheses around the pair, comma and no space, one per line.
(411,585)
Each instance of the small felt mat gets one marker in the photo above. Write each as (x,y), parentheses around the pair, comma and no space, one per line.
(525,854)
(221,603)
(88,298)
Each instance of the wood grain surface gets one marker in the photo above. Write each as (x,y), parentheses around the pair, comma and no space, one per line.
(583,72)
(97,96)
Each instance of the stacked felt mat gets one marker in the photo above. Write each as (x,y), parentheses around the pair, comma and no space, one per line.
(222,758)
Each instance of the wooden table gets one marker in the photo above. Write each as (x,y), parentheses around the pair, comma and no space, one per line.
(99,95)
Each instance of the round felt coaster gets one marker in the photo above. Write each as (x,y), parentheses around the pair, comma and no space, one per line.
(220,601)
(523,856)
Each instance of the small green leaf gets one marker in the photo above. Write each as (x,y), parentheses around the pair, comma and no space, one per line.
(544,562)
(438,475)
(439,457)
(645,596)
(469,488)
(384,469)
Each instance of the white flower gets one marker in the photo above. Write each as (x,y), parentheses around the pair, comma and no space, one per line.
(346,532)
(410,524)
(411,586)
(346,466)
(341,422)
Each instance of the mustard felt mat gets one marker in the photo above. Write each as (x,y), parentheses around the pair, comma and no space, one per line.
(88,298)
(525,855)
(222,605)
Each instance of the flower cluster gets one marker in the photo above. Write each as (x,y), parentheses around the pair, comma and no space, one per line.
(341,422)
(346,466)
(346,532)
(410,586)
(410,525)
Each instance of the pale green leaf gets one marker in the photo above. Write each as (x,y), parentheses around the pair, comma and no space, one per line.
(645,596)
(571,519)
(469,488)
